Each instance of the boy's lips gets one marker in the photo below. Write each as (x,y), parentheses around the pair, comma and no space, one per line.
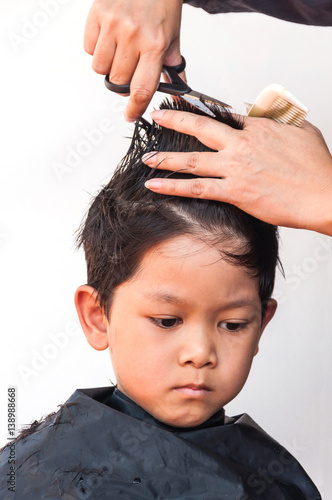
(195,387)
(196,390)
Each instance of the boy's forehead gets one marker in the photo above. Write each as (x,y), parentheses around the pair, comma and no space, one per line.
(178,269)
(192,250)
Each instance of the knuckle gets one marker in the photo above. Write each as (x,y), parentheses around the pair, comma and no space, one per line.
(89,48)
(101,69)
(201,122)
(117,78)
(158,45)
(193,161)
(197,188)
(265,122)
(266,130)
(109,21)
(317,132)
(262,127)
(110,18)
(130,27)
(243,145)
(140,95)
(262,123)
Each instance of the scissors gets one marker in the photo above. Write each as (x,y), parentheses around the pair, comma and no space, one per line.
(176,87)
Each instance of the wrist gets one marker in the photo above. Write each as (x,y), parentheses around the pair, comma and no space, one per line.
(322,219)
(326,225)
(323,202)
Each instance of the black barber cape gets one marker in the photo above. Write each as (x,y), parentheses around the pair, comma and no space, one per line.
(101,445)
(313,12)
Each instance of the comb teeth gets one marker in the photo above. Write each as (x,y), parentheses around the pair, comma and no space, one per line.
(277,103)
(283,111)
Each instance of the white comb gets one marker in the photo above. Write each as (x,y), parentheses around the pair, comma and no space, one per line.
(280,105)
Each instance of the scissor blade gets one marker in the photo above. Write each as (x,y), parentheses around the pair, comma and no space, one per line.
(197,104)
(199,95)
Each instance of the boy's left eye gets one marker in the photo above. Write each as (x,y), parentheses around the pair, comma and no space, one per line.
(233,326)
(166,323)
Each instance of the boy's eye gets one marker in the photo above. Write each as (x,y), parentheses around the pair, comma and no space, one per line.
(233,326)
(166,322)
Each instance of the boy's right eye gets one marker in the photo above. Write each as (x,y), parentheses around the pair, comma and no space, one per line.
(166,323)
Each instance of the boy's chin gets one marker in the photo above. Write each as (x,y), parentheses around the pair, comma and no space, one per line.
(184,421)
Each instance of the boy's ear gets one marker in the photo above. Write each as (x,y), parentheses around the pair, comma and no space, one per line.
(92,317)
(271,308)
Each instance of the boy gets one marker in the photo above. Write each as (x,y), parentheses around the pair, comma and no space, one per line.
(180,291)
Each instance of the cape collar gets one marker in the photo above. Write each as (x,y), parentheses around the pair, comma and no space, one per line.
(119,401)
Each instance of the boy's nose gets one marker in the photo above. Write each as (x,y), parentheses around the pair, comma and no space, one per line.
(198,349)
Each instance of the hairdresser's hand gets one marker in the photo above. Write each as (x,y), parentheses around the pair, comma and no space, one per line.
(131,40)
(279,173)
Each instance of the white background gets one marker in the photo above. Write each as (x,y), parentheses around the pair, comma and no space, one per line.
(50,101)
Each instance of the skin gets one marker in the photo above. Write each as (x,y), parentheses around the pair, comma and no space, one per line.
(278,173)
(185,317)
(130,40)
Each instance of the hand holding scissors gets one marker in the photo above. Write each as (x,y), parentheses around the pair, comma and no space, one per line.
(130,40)
(176,87)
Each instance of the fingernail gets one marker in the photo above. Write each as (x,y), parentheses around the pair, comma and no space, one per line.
(149,159)
(153,184)
(248,106)
(157,115)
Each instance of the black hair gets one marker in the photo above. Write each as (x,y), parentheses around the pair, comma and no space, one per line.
(126,219)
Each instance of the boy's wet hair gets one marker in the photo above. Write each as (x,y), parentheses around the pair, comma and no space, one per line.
(126,219)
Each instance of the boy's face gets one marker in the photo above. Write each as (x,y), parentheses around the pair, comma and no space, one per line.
(184,330)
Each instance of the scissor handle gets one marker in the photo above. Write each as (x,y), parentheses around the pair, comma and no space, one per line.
(178,68)
(119,89)
(176,87)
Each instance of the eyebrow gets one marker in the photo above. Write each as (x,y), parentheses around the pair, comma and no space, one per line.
(164,296)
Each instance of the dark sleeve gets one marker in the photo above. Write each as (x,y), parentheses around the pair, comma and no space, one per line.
(311,12)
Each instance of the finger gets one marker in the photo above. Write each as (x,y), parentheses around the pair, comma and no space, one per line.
(104,53)
(183,76)
(91,34)
(208,189)
(123,65)
(143,85)
(203,164)
(173,58)
(176,62)
(207,130)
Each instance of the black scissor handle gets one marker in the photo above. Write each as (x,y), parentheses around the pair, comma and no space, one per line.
(178,68)
(119,89)
(176,87)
